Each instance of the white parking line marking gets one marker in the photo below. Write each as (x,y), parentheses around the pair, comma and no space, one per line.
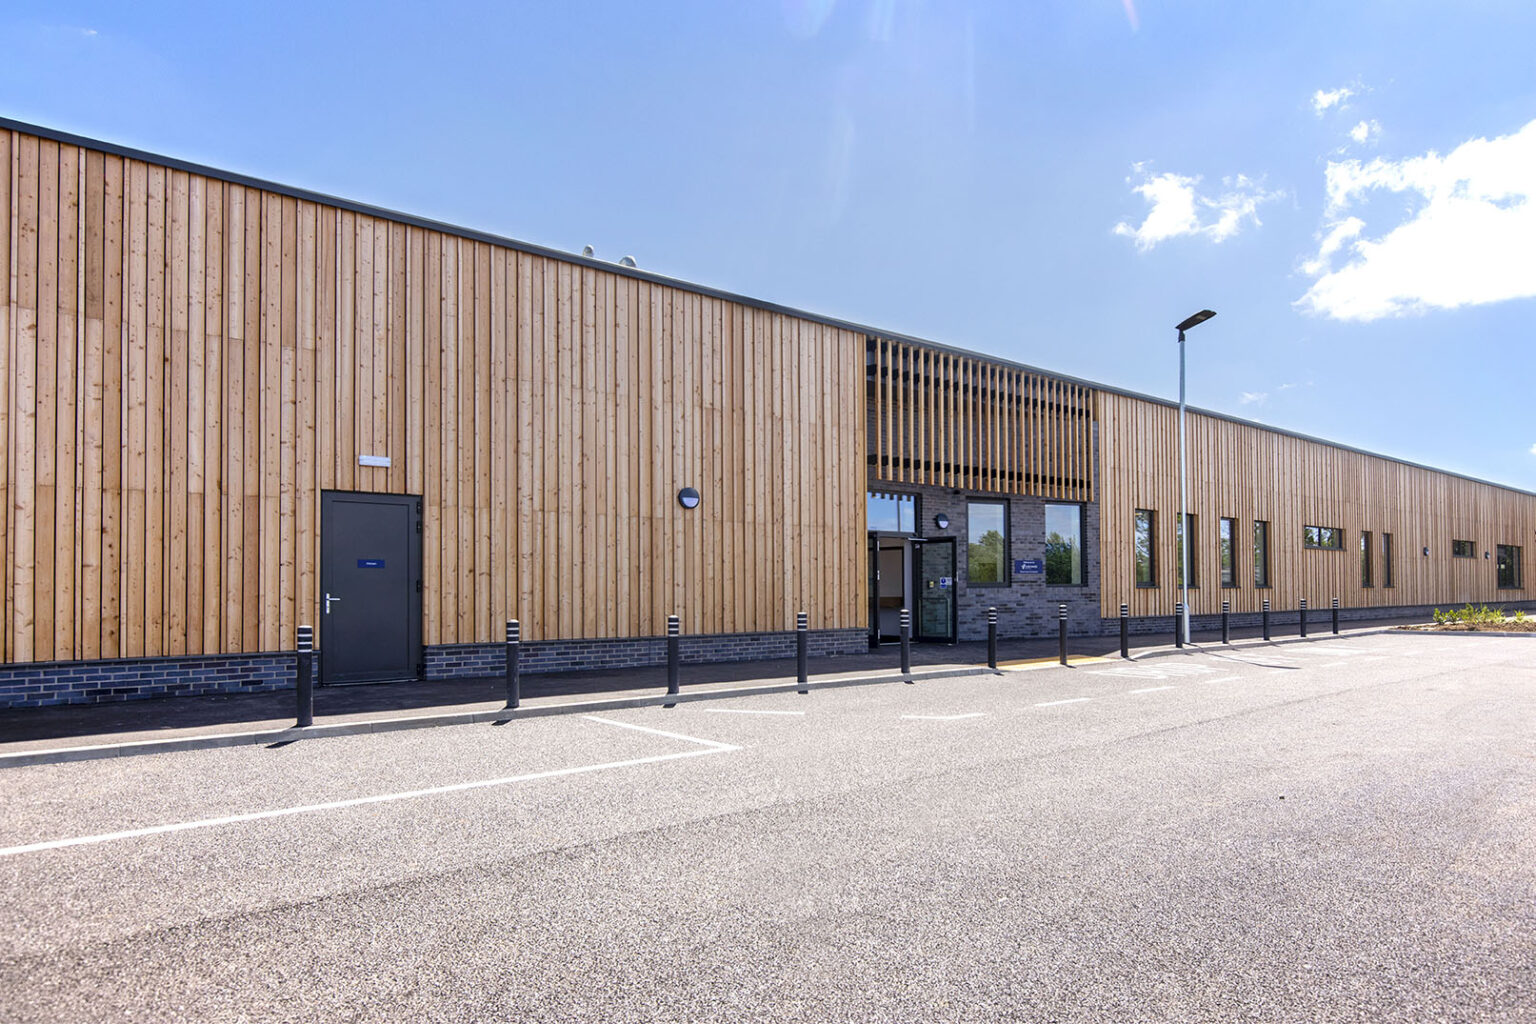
(1056,703)
(943,718)
(1153,689)
(710,747)
(1221,679)
(746,711)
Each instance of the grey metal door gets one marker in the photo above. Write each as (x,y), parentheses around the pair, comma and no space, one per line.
(936,590)
(370,582)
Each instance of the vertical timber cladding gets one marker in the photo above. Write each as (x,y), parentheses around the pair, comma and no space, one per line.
(1248,473)
(950,420)
(190,361)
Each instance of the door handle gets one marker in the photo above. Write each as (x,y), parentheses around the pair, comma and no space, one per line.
(328,600)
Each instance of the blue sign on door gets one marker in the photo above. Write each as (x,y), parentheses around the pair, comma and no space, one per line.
(1029,567)
(370,563)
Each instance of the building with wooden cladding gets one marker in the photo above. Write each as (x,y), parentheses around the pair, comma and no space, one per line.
(234,407)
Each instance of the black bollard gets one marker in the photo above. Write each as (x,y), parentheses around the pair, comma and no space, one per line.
(1226,622)
(992,639)
(303,680)
(1061,631)
(1266,618)
(1303,617)
(906,646)
(674,652)
(1178,622)
(802,650)
(1335,616)
(514,669)
(1125,631)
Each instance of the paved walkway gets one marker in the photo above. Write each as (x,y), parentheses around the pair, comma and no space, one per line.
(181,719)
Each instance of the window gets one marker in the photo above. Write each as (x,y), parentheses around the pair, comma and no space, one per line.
(1064,544)
(1365,558)
(1228,552)
(1260,553)
(1463,549)
(1194,551)
(1386,559)
(987,558)
(896,513)
(1509,567)
(1146,548)
(1329,538)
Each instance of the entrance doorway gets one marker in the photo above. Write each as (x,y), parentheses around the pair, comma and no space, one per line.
(936,590)
(916,574)
(370,582)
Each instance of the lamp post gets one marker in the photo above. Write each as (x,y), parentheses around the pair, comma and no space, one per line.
(1194,321)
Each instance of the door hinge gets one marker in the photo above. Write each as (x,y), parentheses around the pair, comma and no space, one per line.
(418,508)
(418,586)
(418,526)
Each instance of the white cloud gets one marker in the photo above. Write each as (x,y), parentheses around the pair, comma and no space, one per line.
(1178,210)
(1467,238)
(1252,398)
(1533,449)
(1366,130)
(1323,99)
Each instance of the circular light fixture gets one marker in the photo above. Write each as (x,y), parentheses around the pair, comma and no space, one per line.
(688,497)
(941,521)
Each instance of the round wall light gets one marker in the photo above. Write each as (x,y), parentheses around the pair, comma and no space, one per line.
(688,497)
(941,521)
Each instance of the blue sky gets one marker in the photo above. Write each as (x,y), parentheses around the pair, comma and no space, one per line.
(1352,186)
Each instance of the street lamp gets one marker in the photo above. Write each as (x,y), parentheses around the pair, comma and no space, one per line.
(1194,321)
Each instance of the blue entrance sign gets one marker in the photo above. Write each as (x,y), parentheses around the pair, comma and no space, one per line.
(370,563)
(1029,567)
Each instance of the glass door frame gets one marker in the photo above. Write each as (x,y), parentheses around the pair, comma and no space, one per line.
(916,582)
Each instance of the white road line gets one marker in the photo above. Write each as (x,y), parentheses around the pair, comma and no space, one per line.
(1221,679)
(943,718)
(710,747)
(1154,689)
(746,711)
(660,732)
(1055,703)
(334,805)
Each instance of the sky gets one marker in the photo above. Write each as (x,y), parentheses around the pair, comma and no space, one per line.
(1350,185)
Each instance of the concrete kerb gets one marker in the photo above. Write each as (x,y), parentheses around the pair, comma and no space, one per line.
(1170,650)
(499,716)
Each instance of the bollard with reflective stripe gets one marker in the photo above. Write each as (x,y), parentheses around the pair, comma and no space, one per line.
(1335,616)
(1303,616)
(1226,622)
(802,650)
(1266,618)
(674,652)
(1061,631)
(1178,620)
(514,669)
(1125,631)
(906,646)
(992,639)
(304,681)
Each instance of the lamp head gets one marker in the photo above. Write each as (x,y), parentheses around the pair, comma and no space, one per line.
(1196,320)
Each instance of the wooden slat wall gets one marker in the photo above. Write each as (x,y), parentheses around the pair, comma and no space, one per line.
(952,421)
(189,362)
(1248,473)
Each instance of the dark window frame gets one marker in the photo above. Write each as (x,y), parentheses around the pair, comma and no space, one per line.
(1005,570)
(1082,546)
(917,511)
(1367,577)
(1227,572)
(1190,522)
(1322,538)
(1261,555)
(1463,548)
(1151,517)
(1498,567)
(1386,561)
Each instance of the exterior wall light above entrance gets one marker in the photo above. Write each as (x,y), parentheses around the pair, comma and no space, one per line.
(941,521)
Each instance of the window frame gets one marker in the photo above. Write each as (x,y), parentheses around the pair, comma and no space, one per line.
(1367,575)
(1151,519)
(1471,548)
(917,511)
(1519,574)
(1318,541)
(1005,570)
(1227,572)
(1190,522)
(1261,555)
(1082,546)
(1386,561)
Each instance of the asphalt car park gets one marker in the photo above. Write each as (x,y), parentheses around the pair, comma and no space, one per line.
(1331,830)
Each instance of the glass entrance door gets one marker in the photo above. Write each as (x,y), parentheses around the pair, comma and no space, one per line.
(936,590)
(890,571)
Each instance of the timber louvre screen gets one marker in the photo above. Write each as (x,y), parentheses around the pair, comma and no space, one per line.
(947,420)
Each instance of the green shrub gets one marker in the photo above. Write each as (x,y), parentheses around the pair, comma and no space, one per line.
(1481,615)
